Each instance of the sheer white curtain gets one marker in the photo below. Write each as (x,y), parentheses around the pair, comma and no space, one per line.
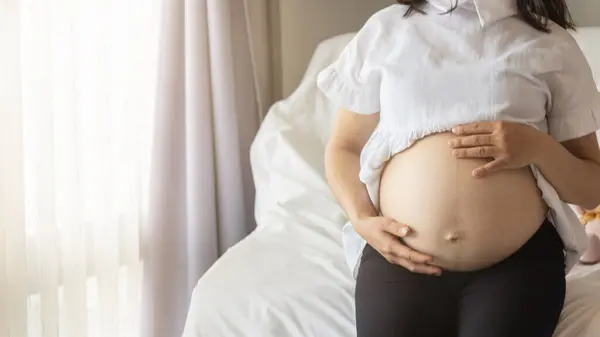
(214,86)
(77,94)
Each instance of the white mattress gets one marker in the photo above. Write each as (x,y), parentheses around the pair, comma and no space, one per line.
(289,277)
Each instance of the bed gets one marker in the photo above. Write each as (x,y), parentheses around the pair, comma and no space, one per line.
(289,277)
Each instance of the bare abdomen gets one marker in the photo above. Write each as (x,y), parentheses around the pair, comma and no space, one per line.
(465,223)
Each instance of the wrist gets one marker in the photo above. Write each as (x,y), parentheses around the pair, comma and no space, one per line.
(359,216)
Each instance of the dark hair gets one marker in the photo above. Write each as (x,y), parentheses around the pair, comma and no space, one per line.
(536,13)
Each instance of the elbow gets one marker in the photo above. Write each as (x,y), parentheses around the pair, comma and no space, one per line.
(335,152)
(589,199)
(592,200)
(335,148)
(592,203)
(338,156)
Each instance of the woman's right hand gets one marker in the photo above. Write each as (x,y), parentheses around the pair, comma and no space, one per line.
(383,235)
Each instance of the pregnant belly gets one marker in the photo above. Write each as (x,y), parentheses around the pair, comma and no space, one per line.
(465,223)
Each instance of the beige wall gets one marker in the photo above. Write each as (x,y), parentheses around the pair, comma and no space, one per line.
(304,23)
(586,12)
(299,25)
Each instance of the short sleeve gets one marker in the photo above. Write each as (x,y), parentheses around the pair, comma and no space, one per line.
(352,81)
(575,103)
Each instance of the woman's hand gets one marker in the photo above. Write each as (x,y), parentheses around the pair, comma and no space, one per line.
(509,145)
(383,235)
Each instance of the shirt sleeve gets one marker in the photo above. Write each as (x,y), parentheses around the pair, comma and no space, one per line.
(575,103)
(352,81)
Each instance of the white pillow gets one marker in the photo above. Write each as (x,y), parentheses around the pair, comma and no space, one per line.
(326,53)
(287,153)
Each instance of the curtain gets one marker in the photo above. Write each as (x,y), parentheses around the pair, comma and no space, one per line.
(77,96)
(213,86)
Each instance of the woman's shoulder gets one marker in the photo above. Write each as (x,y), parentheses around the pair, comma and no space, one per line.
(553,45)
(557,38)
(562,37)
(566,45)
(389,17)
(391,12)
(385,21)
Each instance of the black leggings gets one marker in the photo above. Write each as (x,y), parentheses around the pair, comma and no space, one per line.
(520,296)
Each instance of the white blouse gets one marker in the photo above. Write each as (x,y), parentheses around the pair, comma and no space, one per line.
(430,72)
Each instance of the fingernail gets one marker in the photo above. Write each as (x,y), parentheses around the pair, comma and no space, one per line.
(403,231)
(454,130)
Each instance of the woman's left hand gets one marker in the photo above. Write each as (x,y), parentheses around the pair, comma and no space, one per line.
(509,145)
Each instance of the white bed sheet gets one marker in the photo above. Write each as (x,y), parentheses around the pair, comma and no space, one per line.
(289,277)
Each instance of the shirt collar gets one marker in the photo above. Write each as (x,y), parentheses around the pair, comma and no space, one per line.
(489,11)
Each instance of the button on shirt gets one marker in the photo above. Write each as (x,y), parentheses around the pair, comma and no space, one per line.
(427,73)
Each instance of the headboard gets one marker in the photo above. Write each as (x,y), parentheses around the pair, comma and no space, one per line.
(300,25)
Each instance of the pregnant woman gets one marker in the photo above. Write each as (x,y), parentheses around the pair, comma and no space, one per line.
(465,129)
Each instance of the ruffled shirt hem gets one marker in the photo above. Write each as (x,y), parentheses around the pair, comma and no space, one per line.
(384,144)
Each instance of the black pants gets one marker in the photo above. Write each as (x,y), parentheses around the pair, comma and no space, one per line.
(520,296)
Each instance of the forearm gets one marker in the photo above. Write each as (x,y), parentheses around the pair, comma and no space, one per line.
(342,168)
(576,180)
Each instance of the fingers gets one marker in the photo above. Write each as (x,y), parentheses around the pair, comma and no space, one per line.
(471,141)
(397,253)
(406,253)
(490,167)
(417,268)
(394,248)
(474,129)
(414,266)
(477,152)
(395,228)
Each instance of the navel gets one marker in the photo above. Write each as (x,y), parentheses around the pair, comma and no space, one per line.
(454,237)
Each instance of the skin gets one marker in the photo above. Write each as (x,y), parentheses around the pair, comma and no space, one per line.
(572,167)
